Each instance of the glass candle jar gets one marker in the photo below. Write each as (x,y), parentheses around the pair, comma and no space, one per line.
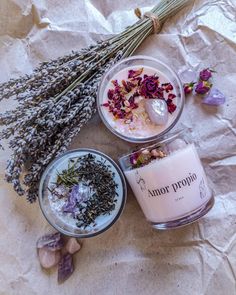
(140,99)
(68,196)
(169,182)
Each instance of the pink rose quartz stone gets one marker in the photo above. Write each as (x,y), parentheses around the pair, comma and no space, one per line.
(48,258)
(72,246)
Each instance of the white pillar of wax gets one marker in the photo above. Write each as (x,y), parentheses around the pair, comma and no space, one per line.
(172,187)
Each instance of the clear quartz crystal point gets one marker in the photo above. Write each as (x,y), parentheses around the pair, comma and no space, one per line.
(188,76)
(157,111)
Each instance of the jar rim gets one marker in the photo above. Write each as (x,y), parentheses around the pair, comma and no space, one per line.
(103,228)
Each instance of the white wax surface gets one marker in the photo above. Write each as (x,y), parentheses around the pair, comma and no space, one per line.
(167,172)
(141,127)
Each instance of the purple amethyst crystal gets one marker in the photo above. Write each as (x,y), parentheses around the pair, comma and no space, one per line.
(52,242)
(79,193)
(215,98)
(65,268)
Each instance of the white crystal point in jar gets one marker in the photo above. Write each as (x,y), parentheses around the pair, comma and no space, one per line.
(157,111)
(176,144)
(48,258)
(72,246)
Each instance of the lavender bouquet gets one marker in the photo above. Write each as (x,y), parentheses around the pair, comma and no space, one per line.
(58,99)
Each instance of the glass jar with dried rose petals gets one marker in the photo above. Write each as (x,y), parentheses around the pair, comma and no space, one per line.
(140,99)
(169,182)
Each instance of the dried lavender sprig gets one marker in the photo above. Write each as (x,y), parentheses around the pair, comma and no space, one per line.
(47,70)
(51,99)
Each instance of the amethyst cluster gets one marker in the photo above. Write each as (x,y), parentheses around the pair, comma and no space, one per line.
(55,249)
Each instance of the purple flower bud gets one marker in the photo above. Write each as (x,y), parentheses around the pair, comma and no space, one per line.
(205,75)
(203,87)
(188,87)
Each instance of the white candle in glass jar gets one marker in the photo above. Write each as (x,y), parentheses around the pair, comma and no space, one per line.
(170,188)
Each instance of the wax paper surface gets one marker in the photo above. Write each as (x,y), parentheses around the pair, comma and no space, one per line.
(131,257)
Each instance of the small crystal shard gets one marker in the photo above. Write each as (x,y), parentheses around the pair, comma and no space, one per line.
(60,191)
(79,193)
(72,246)
(65,268)
(215,98)
(52,242)
(188,76)
(48,258)
(157,111)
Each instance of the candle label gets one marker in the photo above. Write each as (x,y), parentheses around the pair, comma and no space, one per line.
(170,188)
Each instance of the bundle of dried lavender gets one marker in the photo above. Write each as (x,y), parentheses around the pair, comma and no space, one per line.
(58,98)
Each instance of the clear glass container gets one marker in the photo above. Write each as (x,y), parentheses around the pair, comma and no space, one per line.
(169,182)
(52,207)
(119,72)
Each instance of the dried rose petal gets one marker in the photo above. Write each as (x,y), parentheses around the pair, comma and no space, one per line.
(203,87)
(215,98)
(171,96)
(150,87)
(127,86)
(205,74)
(135,73)
(52,242)
(167,87)
(65,268)
(110,94)
(171,107)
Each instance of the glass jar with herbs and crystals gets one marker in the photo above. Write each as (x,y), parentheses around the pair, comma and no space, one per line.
(169,182)
(82,193)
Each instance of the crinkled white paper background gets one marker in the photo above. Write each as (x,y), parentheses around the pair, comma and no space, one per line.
(130,258)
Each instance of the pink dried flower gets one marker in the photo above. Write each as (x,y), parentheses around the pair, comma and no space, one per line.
(203,87)
(205,74)
(150,87)
(133,158)
(188,87)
